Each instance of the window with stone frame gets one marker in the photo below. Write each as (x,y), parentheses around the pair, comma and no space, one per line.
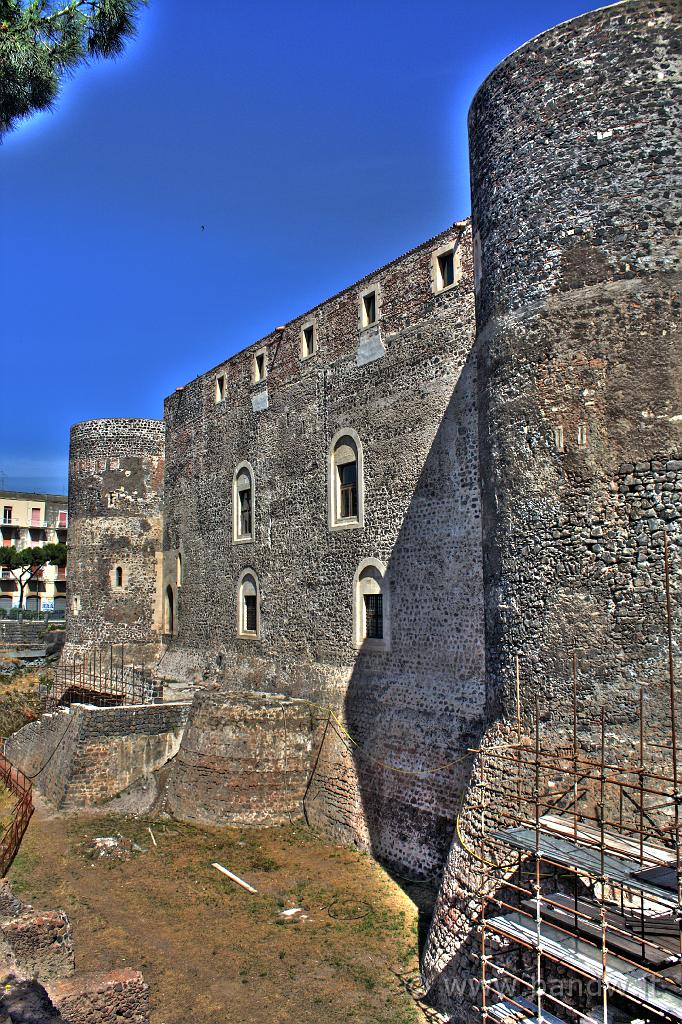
(346,484)
(243,503)
(371,606)
(248,613)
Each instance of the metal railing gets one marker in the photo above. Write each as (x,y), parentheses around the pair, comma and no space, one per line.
(103,678)
(20,786)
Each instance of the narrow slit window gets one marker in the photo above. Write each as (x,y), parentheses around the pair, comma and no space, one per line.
(220,388)
(118,576)
(582,435)
(559,438)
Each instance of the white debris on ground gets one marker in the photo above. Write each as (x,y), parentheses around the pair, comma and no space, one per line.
(113,847)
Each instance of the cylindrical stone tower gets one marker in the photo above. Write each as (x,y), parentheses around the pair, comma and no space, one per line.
(575,160)
(116,471)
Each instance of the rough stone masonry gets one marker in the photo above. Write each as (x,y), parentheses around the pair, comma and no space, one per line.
(471,454)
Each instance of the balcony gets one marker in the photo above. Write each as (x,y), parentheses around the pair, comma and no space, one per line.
(10,522)
(7,574)
(40,525)
(61,574)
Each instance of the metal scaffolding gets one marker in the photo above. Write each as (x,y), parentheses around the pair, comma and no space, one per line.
(582,909)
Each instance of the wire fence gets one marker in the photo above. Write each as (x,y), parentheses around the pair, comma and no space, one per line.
(20,787)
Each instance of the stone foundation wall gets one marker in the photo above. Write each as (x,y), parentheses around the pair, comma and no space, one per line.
(40,943)
(102,998)
(245,759)
(84,755)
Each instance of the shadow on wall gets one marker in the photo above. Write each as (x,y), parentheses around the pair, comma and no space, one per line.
(396,780)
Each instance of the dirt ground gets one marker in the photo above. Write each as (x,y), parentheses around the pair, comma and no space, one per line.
(213,953)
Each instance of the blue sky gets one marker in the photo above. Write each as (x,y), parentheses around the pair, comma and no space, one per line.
(313,140)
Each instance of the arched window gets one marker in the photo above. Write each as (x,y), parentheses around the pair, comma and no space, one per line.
(243,503)
(178,569)
(371,606)
(248,611)
(346,484)
(118,576)
(170,610)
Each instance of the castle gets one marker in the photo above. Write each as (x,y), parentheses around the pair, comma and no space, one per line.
(466,462)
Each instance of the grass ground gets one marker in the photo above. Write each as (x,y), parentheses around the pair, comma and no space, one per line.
(211,952)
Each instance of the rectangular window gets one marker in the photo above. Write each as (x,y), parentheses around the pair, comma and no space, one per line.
(245,513)
(446,269)
(35,517)
(7,514)
(250,622)
(259,367)
(220,388)
(348,485)
(308,342)
(369,308)
(559,438)
(582,435)
(62,520)
(374,616)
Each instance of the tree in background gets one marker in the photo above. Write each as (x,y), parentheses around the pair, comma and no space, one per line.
(42,41)
(27,563)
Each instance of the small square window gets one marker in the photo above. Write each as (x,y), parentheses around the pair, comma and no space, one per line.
(445,267)
(260,369)
(369,309)
(220,388)
(308,341)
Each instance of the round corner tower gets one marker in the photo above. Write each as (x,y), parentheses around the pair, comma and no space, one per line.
(575,158)
(116,469)
(575,169)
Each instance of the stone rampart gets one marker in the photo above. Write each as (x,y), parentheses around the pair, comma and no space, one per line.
(86,755)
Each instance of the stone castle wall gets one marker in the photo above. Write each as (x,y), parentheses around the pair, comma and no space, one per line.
(406,390)
(577,303)
(115,493)
(519,481)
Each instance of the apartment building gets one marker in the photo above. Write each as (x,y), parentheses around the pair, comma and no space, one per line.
(28,521)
